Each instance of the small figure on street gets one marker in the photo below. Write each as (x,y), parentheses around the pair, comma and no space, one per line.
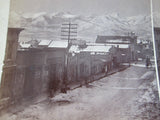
(148,62)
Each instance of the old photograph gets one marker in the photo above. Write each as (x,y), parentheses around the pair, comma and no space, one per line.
(81,60)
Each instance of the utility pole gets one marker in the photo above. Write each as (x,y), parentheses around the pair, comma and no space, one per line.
(68,33)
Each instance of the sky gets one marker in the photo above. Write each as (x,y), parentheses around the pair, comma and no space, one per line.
(156,6)
(86,7)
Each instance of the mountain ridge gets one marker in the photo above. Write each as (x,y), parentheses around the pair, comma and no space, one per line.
(88,26)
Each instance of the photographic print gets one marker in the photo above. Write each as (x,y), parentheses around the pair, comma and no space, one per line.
(81,60)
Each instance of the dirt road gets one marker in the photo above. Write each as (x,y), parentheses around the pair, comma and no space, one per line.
(114,97)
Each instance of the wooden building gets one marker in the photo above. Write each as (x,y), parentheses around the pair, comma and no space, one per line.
(88,61)
(41,69)
(7,87)
(119,42)
(30,72)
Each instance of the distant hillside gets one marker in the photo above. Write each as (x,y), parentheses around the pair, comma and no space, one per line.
(47,26)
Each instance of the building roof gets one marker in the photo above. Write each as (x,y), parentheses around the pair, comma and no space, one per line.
(97,49)
(58,44)
(115,39)
(25,45)
(24,39)
(94,48)
(44,42)
(108,44)
(74,49)
(93,44)
(120,45)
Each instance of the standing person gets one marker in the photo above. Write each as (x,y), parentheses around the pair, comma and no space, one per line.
(148,62)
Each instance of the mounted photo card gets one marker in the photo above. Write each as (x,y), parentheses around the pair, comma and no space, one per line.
(80,60)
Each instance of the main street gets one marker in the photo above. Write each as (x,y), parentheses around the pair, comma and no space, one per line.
(115,97)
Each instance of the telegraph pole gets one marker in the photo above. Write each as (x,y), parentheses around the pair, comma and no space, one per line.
(68,33)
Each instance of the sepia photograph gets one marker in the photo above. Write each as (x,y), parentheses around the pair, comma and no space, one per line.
(81,60)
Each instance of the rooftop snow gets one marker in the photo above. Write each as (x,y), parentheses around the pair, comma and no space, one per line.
(25,45)
(74,48)
(120,45)
(117,41)
(58,44)
(24,39)
(94,44)
(97,49)
(44,42)
(109,44)
(94,48)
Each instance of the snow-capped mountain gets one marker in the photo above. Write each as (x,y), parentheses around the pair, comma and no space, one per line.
(48,25)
